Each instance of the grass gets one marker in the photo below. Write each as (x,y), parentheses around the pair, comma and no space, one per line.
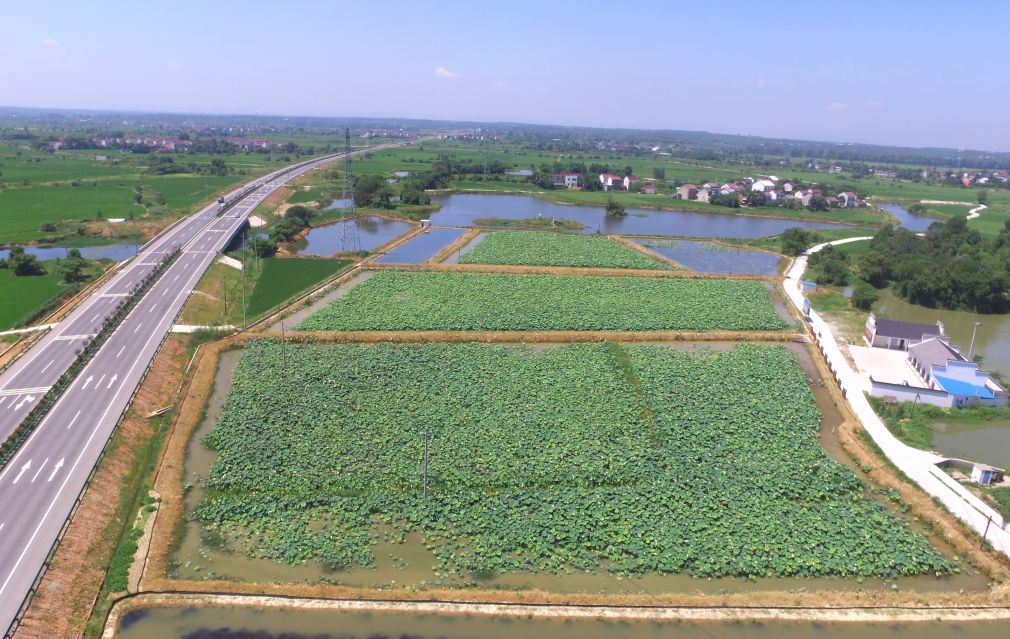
(1001,497)
(23,296)
(855,249)
(554,249)
(829,301)
(283,278)
(410,300)
(915,426)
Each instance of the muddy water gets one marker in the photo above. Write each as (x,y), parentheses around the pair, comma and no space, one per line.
(373,232)
(986,442)
(422,247)
(710,257)
(246,623)
(411,564)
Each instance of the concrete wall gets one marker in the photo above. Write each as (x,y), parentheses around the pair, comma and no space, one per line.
(904,393)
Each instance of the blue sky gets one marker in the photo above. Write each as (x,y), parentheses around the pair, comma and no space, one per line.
(911,73)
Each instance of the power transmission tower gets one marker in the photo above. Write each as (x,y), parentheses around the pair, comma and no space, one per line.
(349,240)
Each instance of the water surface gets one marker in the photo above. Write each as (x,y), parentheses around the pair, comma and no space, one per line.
(250,623)
(114,252)
(373,232)
(910,221)
(988,442)
(461,209)
(423,247)
(712,257)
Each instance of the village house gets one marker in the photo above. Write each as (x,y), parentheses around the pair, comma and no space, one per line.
(889,174)
(689,192)
(848,199)
(649,189)
(567,180)
(763,185)
(608,181)
(788,187)
(1002,176)
(629,181)
(897,334)
(704,194)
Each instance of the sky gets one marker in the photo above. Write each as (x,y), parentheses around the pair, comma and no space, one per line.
(902,72)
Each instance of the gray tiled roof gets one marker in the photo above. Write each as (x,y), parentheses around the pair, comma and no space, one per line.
(905,330)
(933,352)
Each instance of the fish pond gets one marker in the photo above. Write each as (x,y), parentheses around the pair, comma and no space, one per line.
(373,231)
(114,252)
(712,257)
(517,499)
(461,209)
(422,247)
(273,623)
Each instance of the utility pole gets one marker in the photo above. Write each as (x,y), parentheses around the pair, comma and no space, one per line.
(245,239)
(972,346)
(348,225)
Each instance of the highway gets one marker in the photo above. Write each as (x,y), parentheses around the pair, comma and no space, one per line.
(41,483)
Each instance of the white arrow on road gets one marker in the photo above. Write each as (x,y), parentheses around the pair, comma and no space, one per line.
(87,381)
(24,469)
(112,381)
(27,399)
(59,465)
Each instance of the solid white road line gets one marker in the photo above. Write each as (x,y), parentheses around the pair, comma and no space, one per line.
(47,365)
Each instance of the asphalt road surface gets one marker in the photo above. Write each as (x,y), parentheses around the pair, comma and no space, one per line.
(41,483)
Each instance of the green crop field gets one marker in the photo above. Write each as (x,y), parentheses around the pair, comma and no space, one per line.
(283,278)
(590,457)
(393,300)
(553,249)
(23,295)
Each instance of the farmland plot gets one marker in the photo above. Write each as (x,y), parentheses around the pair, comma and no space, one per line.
(486,301)
(596,457)
(531,248)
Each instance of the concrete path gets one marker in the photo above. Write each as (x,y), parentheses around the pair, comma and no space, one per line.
(918,465)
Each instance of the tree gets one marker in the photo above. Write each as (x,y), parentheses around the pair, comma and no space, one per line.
(818,203)
(24,263)
(659,173)
(262,247)
(591,183)
(983,197)
(414,195)
(302,214)
(795,240)
(366,189)
(615,209)
(72,267)
(864,295)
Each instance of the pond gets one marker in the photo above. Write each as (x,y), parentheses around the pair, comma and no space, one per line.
(992,340)
(114,252)
(373,232)
(339,204)
(422,247)
(270,623)
(910,221)
(461,209)
(712,257)
(986,442)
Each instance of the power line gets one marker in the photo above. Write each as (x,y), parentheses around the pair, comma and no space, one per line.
(348,225)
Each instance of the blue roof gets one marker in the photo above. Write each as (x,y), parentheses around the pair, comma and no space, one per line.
(957,387)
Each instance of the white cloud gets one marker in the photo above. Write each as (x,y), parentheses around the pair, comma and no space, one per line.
(445,74)
(835,106)
(51,43)
(175,64)
(500,84)
(873,104)
(760,83)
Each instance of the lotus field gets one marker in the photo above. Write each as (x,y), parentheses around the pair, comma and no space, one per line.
(553,249)
(410,300)
(598,457)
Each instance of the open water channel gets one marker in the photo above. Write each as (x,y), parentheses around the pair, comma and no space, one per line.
(250,623)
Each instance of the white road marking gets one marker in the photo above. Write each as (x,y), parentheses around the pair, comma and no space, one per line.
(153,306)
(56,469)
(95,318)
(176,278)
(48,365)
(36,475)
(87,381)
(112,381)
(100,380)
(24,469)
(139,324)
(121,351)
(27,400)
(3,401)
(165,292)
(73,420)
(21,391)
